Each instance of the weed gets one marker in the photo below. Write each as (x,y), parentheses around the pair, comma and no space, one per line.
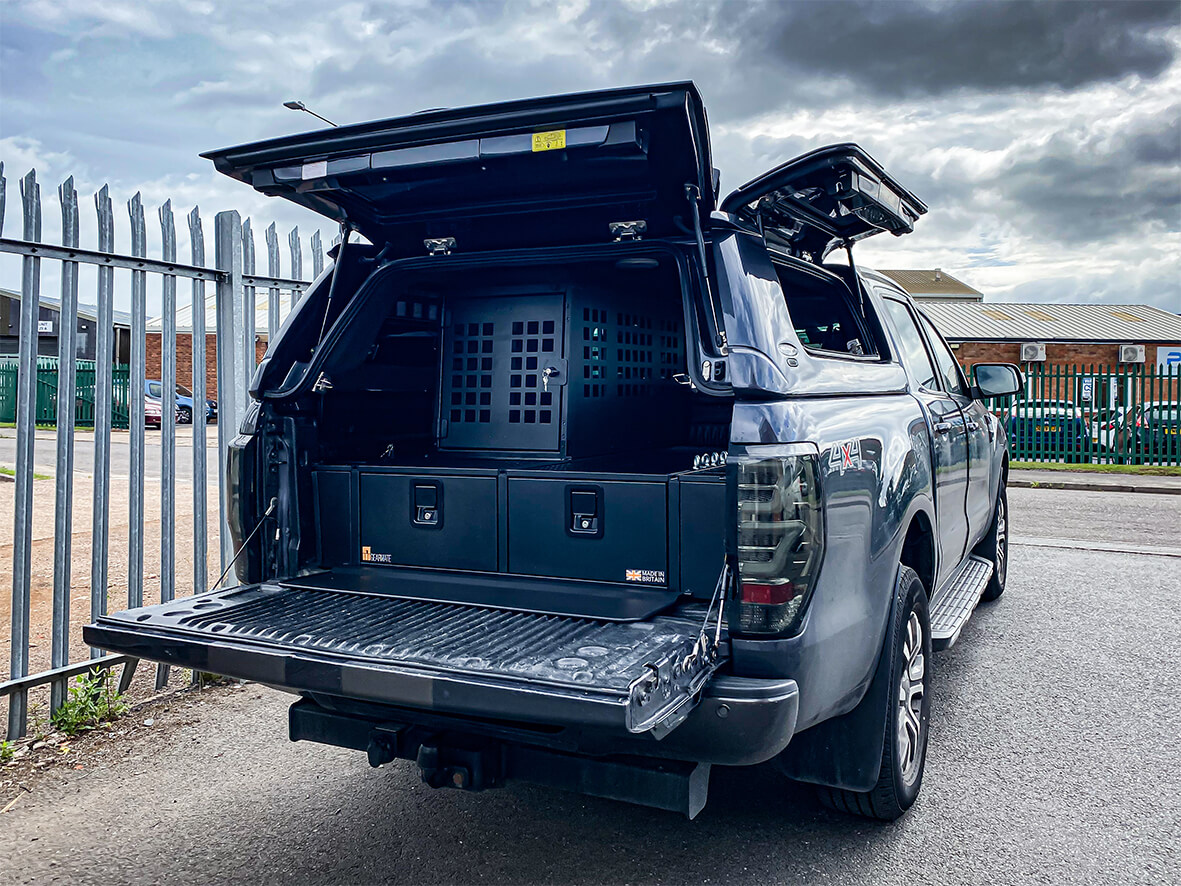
(91,701)
(201,679)
(7,749)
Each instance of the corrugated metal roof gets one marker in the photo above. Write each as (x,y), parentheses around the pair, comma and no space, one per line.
(184,315)
(86,312)
(933,282)
(998,321)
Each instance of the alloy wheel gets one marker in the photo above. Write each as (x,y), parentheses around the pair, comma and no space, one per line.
(910,701)
(1002,541)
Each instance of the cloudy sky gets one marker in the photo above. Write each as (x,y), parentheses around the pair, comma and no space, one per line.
(1044,137)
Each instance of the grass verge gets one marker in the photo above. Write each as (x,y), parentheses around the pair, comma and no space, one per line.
(1143,470)
(10,472)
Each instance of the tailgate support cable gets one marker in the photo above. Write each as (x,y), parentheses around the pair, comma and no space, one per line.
(706,647)
(238,553)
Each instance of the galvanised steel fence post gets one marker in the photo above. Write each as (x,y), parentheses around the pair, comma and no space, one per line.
(63,522)
(26,403)
(231,374)
(104,406)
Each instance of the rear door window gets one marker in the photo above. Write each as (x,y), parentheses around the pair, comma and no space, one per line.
(949,369)
(910,344)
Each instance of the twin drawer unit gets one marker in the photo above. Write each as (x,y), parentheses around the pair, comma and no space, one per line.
(663,531)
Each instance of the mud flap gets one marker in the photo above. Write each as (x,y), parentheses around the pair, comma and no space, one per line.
(846,751)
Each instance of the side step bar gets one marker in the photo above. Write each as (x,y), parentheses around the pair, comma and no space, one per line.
(955,602)
(475,765)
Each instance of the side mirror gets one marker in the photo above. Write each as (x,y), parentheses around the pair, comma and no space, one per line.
(996,380)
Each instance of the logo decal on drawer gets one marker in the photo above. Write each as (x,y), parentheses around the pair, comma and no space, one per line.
(368,556)
(646,576)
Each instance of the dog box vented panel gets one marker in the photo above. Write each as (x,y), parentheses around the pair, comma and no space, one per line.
(496,352)
(626,344)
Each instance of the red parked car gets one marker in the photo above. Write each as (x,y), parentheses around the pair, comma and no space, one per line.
(153,411)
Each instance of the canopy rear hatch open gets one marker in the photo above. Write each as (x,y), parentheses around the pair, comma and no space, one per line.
(637,677)
(826,198)
(547,171)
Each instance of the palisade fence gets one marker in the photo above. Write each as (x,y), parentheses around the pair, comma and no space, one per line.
(1127,414)
(110,391)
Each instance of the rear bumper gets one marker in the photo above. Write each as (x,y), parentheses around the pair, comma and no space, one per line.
(740,721)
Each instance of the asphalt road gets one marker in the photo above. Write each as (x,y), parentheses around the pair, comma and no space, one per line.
(1054,759)
(45,452)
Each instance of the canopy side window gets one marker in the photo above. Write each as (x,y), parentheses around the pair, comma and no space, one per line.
(824,314)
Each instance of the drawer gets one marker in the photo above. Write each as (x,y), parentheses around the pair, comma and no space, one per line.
(430,519)
(605,531)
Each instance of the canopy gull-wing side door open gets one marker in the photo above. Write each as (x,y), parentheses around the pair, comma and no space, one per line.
(823,199)
(583,168)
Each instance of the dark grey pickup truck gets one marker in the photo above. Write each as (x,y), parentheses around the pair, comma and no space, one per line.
(568,472)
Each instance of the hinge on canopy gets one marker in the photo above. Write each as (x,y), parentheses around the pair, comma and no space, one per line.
(439,245)
(628,230)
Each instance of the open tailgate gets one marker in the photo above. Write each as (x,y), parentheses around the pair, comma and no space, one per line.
(493,663)
(545,171)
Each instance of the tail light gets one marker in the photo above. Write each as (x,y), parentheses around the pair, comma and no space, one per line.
(780,541)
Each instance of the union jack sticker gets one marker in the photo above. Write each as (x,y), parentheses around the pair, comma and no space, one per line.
(647,576)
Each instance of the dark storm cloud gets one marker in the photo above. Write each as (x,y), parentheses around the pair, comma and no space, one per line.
(908,49)
(1080,195)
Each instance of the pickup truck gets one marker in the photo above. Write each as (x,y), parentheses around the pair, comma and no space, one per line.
(568,471)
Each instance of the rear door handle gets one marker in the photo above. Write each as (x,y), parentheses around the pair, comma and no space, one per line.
(942,427)
(972,426)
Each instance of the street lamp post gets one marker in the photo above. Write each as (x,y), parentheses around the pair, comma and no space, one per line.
(300,106)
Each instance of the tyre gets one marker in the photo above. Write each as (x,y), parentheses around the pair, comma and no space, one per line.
(994,547)
(184,415)
(904,751)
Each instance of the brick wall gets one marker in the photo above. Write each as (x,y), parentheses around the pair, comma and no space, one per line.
(1057,353)
(1066,363)
(184,359)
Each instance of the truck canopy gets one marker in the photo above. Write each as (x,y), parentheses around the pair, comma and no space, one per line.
(819,200)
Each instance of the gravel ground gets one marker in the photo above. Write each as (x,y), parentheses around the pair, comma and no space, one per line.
(1053,759)
(119,533)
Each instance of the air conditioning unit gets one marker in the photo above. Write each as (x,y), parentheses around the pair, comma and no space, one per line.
(1131,353)
(1033,352)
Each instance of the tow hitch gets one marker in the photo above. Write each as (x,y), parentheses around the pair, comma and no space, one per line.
(474,769)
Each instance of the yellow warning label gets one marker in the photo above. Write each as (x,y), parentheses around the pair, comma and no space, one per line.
(553,140)
(365,552)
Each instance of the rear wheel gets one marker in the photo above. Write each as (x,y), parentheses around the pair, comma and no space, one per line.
(904,750)
(994,547)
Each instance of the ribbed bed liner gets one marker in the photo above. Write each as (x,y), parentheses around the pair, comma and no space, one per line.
(564,651)
(638,676)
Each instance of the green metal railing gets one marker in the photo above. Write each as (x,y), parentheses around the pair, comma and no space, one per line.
(1091,414)
(47,389)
